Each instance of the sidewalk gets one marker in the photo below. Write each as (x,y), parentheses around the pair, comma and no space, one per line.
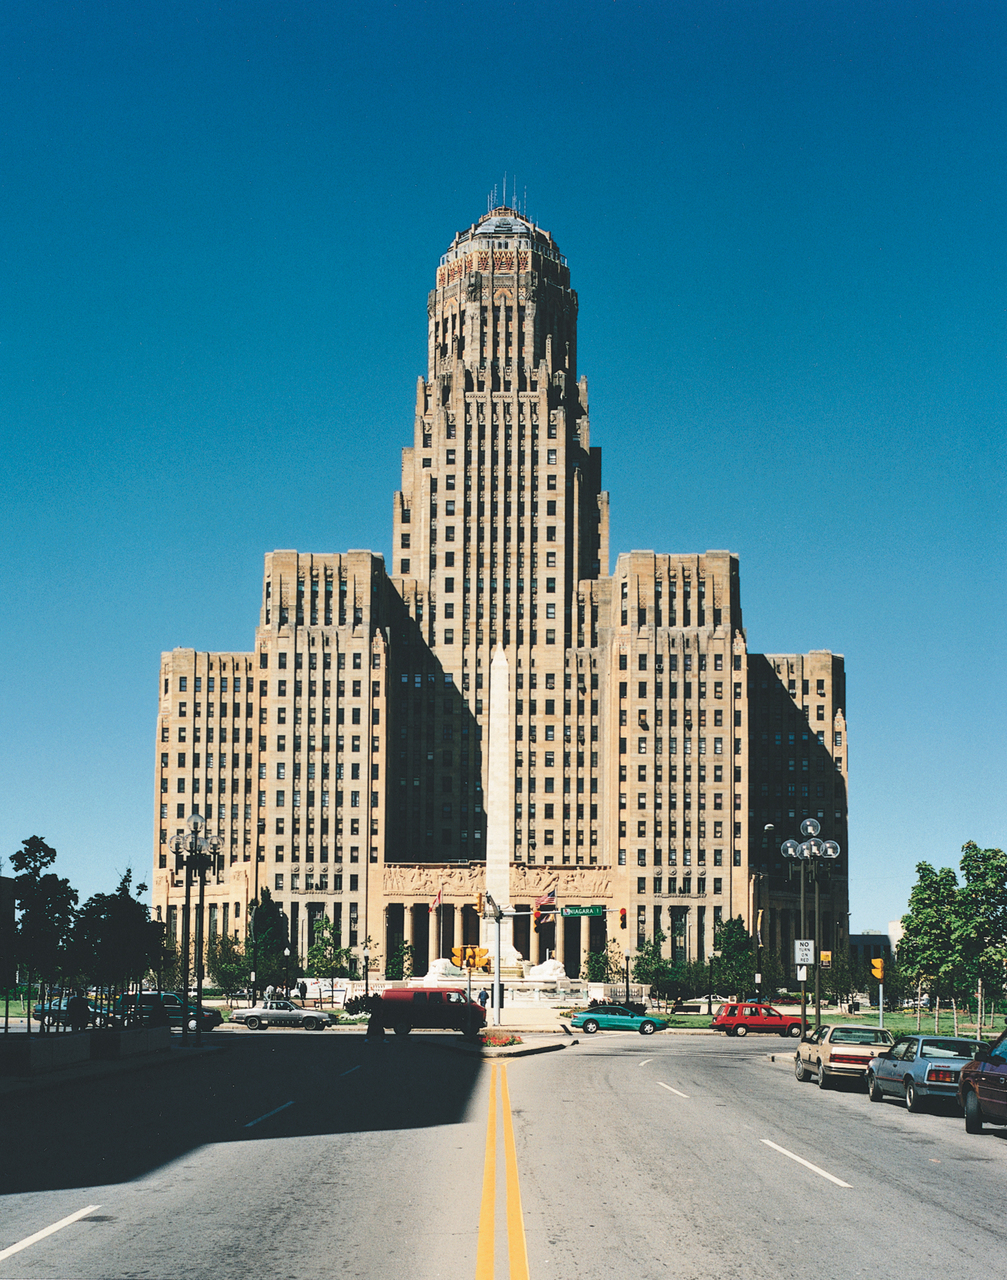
(88,1071)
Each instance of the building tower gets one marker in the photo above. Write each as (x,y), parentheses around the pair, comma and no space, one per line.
(640,751)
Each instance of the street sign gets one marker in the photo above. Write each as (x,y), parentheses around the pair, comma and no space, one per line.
(583,911)
(826,960)
(802,974)
(804,951)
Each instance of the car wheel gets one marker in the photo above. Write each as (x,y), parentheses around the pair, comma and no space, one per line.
(192,1024)
(913,1102)
(647,1028)
(973,1113)
(403,1028)
(590,1027)
(795,1031)
(252,1024)
(309,1024)
(873,1088)
(800,1070)
(741,1030)
(823,1079)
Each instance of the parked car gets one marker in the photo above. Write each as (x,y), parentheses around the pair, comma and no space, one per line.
(54,1013)
(844,1050)
(172,1006)
(446,1008)
(918,1067)
(616,1017)
(281,1013)
(982,1086)
(737,1019)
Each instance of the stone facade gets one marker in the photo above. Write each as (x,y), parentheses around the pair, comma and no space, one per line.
(344,759)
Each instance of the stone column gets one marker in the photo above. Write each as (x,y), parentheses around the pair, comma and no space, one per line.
(407,923)
(585,940)
(434,937)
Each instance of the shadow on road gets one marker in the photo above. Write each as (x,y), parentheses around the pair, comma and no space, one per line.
(113,1130)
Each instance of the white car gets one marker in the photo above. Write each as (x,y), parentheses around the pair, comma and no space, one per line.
(842,1050)
(281,1013)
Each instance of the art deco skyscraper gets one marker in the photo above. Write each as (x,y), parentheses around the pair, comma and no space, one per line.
(647,748)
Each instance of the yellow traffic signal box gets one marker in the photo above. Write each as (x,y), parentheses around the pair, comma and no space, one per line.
(878,969)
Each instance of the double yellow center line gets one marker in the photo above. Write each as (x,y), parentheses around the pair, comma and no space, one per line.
(517,1246)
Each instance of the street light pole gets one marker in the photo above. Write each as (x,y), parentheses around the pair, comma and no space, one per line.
(191,856)
(626,955)
(286,968)
(367,972)
(206,857)
(812,849)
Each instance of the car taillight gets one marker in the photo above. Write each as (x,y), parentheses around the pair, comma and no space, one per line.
(942,1075)
(857,1058)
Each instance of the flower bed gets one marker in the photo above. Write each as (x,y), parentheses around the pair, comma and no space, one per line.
(499,1039)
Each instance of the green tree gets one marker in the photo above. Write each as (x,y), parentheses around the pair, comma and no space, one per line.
(400,962)
(327,957)
(931,947)
(227,964)
(650,966)
(47,910)
(114,940)
(734,969)
(269,937)
(980,932)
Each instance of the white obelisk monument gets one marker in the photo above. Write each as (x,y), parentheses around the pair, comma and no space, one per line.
(499,810)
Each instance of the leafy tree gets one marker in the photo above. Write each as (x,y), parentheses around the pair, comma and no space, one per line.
(114,940)
(400,962)
(931,947)
(47,904)
(227,963)
(734,969)
(327,957)
(269,937)
(649,965)
(980,931)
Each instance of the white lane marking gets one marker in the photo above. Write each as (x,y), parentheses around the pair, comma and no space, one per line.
(346,1073)
(47,1231)
(274,1112)
(644,1062)
(670,1089)
(807,1164)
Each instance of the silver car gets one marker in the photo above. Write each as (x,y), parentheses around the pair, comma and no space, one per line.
(282,1013)
(917,1067)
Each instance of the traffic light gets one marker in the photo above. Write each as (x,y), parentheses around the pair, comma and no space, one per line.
(622,917)
(878,969)
(479,957)
(480,904)
(538,920)
(458,957)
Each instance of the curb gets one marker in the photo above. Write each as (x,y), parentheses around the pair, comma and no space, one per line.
(504,1051)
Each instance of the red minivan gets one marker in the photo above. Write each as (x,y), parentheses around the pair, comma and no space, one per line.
(446,1008)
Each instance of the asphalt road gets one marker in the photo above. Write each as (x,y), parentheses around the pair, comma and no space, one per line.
(307,1155)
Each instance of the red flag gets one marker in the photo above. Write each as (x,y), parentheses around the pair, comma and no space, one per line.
(437,901)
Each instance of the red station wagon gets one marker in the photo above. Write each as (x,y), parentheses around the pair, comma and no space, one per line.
(738,1019)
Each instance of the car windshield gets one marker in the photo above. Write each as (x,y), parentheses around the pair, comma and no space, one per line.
(860,1035)
(950,1048)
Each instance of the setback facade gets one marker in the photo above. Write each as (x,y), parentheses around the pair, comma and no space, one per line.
(343,760)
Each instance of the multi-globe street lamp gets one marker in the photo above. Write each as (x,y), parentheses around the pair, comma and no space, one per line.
(195,853)
(811,852)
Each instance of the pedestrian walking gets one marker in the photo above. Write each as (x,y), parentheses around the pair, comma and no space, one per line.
(483,997)
(77,1012)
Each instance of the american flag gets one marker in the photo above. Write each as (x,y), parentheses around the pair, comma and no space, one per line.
(547,902)
(437,901)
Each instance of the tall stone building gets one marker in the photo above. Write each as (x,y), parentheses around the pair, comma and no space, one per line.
(642,750)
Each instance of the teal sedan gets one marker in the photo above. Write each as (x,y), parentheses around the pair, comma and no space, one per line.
(616,1017)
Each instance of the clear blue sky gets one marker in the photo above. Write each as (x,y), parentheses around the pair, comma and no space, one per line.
(786,225)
